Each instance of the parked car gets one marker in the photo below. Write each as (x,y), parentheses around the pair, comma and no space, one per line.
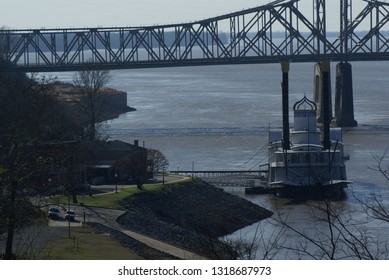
(54,213)
(70,215)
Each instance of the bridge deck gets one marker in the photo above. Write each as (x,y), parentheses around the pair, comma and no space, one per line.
(266,34)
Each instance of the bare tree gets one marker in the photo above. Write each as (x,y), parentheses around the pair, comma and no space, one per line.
(374,204)
(341,236)
(135,166)
(28,122)
(90,83)
(331,232)
(157,162)
(260,245)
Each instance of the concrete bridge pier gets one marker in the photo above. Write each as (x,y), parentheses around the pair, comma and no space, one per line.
(344,103)
(319,85)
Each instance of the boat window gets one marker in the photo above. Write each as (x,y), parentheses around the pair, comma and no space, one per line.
(295,158)
(307,158)
(321,157)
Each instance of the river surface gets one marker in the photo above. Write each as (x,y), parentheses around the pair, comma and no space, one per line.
(217,117)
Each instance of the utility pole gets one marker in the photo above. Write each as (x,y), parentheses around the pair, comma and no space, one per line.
(116,182)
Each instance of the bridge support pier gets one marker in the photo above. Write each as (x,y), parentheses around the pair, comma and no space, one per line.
(344,103)
(320,85)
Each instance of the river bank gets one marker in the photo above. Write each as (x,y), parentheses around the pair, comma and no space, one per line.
(191,215)
(111,103)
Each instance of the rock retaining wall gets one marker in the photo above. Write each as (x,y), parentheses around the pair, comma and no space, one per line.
(191,215)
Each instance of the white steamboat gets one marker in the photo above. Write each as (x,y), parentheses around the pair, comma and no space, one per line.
(306,165)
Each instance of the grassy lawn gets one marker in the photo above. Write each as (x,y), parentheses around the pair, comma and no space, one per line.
(88,244)
(108,200)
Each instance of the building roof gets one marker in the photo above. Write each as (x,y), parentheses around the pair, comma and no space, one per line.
(305,105)
(108,151)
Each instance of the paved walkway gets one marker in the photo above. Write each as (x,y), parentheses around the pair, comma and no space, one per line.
(164,247)
(108,218)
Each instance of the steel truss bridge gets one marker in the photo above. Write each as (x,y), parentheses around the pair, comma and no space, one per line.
(266,34)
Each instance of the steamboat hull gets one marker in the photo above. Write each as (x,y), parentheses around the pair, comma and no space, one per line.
(334,190)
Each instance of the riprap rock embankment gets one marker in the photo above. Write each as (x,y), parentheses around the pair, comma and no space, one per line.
(191,215)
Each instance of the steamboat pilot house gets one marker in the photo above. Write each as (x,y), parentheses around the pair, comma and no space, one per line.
(307,163)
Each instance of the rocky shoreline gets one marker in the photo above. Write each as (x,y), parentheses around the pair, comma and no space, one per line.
(191,215)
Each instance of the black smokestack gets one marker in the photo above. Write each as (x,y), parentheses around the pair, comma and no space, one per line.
(285,104)
(326,105)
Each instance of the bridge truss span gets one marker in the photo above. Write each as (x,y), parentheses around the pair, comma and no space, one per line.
(265,34)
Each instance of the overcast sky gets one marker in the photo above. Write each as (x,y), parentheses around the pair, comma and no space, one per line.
(93,13)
